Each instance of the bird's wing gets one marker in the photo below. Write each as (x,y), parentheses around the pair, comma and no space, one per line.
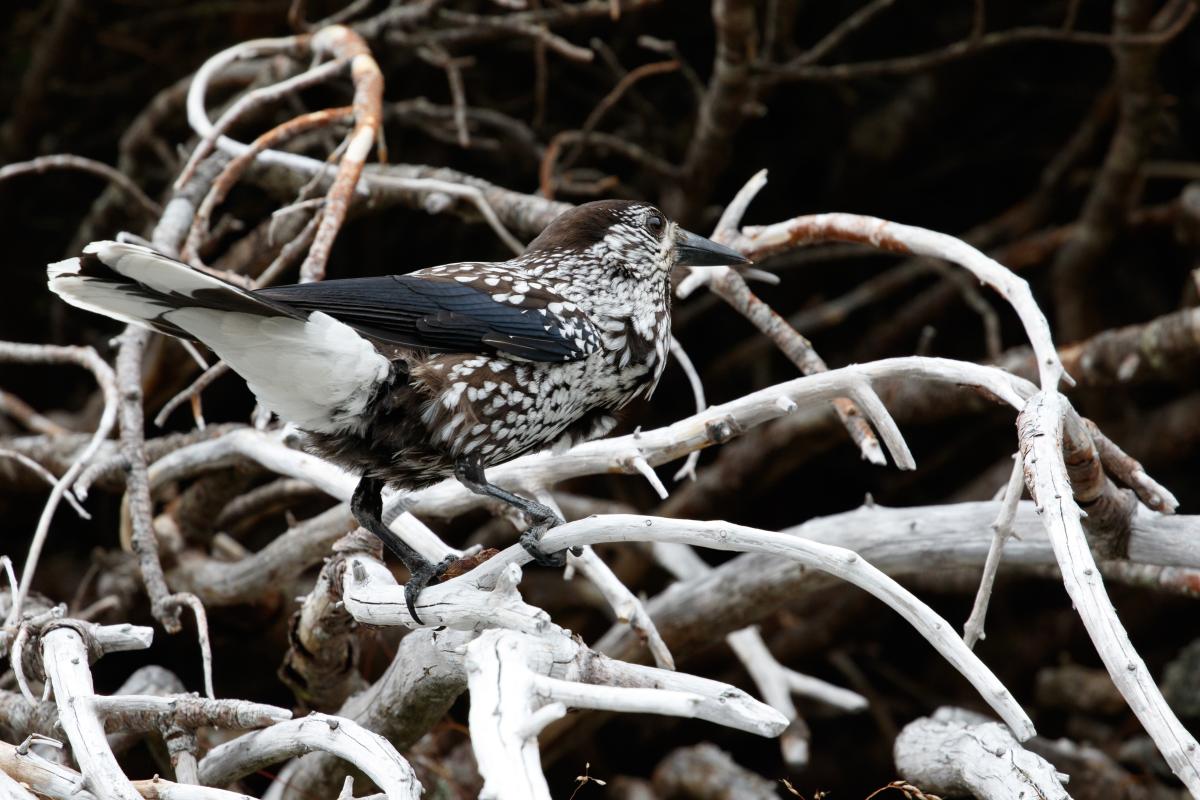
(462,309)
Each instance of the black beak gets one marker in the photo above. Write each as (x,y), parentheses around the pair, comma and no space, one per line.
(696,251)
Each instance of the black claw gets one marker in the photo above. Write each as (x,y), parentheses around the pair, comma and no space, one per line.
(421,577)
(531,540)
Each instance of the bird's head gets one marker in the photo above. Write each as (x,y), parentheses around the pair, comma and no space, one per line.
(630,239)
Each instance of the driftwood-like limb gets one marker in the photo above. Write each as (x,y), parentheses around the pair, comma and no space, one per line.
(65,657)
(222,583)
(772,680)
(625,605)
(1107,508)
(706,772)
(1163,348)
(452,603)
(11,790)
(424,679)
(900,541)
(269,450)
(731,287)
(343,43)
(238,166)
(776,683)
(954,752)
(140,507)
(512,702)
(717,425)
(1126,469)
(321,664)
(1041,433)
(837,561)
(53,780)
(761,241)
(370,594)
(1001,532)
(572,673)
(344,738)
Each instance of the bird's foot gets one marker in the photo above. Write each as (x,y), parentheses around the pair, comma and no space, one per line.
(423,575)
(531,540)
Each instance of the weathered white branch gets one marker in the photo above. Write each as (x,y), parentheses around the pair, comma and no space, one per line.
(688,470)
(556,667)
(59,782)
(627,607)
(270,451)
(388,602)
(65,659)
(776,683)
(837,561)
(513,699)
(713,426)
(372,597)
(344,738)
(956,753)
(1041,431)
(759,241)
(45,777)
(538,471)
(198,116)
(11,790)
(1002,530)
(239,713)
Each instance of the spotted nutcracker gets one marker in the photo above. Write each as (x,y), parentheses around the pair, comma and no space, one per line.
(408,379)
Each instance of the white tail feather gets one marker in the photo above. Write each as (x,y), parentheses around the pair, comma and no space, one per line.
(316,372)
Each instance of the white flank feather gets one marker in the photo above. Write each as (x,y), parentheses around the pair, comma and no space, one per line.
(318,373)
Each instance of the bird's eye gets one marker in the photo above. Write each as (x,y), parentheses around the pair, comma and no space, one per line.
(654,222)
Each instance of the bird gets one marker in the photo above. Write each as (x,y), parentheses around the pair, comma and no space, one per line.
(409,379)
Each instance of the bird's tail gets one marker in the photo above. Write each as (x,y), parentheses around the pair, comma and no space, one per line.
(306,367)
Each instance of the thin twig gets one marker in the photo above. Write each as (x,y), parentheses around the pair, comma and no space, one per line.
(42,164)
(85,357)
(343,43)
(1002,530)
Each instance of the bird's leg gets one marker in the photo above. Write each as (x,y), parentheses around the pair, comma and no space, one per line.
(367,507)
(470,474)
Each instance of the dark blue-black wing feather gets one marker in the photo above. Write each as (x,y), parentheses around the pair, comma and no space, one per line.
(440,314)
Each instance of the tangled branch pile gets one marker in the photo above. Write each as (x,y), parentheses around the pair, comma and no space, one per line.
(393,135)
